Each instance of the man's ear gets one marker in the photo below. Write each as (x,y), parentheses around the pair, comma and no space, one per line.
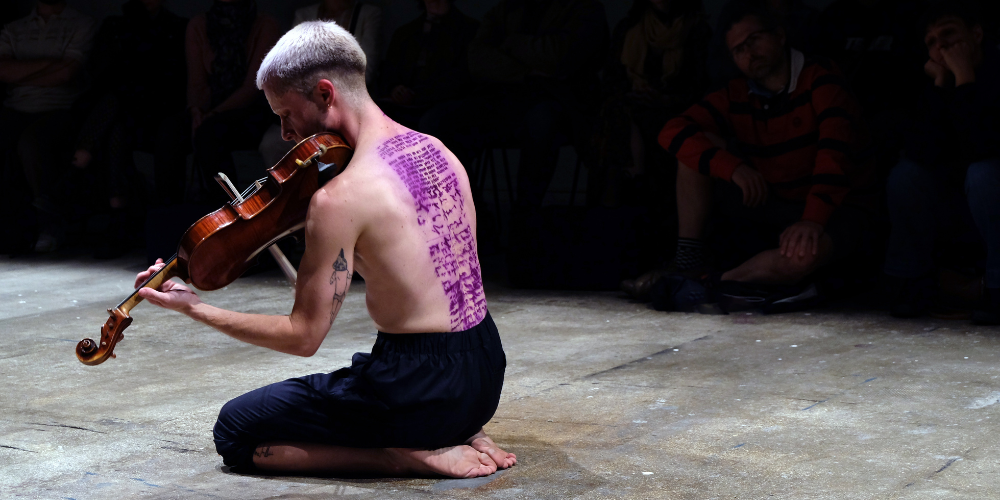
(325,93)
(780,32)
(977,33)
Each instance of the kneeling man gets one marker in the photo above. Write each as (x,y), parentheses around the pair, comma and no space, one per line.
(402,215)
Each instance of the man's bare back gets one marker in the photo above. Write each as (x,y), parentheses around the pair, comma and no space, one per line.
(411,204)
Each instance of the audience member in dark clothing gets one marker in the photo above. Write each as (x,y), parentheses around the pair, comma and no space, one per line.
(951,170)
(538,63)
(427,63)
(226,111)
(139,67)
(41,57)
(801,25)
(656,70)
(784,135)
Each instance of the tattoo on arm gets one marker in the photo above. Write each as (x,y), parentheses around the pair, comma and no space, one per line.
(340,279)
(263,452)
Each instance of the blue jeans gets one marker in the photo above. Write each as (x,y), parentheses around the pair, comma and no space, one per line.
(921,205)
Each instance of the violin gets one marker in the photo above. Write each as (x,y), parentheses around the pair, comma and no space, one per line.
(220,246)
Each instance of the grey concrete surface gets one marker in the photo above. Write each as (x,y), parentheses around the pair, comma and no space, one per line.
(603,398)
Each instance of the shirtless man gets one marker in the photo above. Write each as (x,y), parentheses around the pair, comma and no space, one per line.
(402,215)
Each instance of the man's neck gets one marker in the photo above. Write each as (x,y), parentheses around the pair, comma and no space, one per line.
(46,11)
(362,121)
(334,8)
(780,78)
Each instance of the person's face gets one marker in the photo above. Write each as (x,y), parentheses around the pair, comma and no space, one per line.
(436,7)
(152,5)
(300,115)
(756,51)
(947,32)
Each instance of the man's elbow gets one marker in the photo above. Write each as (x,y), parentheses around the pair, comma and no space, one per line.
(306,344)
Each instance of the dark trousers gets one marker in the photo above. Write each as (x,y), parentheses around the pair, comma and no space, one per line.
(426,390)
(925,202)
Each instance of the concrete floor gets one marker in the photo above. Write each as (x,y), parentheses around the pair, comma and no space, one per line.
(603,398)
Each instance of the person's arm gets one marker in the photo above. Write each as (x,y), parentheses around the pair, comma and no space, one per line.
(324,276)
(971,110)
(836,113)
(266,35)
(56,73)
(685,137)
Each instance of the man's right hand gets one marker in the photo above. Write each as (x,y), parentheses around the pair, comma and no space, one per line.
(753,185)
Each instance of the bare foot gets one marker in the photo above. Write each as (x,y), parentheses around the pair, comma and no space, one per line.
(457,461)
(481,442)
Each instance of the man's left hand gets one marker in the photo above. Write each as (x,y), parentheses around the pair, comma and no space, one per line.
(801,239)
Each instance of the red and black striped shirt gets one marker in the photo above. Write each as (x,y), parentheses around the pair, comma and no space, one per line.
(802,142)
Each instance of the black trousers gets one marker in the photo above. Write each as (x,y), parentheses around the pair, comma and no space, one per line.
(426,390)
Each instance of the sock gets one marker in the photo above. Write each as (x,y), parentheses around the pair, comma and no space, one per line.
(690,254)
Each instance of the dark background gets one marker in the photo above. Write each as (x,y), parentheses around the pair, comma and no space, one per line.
(394,12)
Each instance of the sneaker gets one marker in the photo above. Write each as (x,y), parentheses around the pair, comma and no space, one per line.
(640,287)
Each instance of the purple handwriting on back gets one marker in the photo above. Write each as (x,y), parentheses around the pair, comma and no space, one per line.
(441,215)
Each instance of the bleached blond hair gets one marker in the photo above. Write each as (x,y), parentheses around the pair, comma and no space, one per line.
(313,51)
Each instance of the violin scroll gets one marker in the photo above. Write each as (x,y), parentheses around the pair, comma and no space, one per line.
(92,353)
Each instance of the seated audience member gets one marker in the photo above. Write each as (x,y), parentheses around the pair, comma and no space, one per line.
(537,65)
(41,57)
(772,149)
(226,111)
(950,175)
(427,63)
(364,21)
(139,68)
(655,71)
(800,22)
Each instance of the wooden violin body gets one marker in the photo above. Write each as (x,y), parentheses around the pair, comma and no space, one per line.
(220,246)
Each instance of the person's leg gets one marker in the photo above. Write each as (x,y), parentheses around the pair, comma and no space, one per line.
(982,187)
(540,127)
(18,221)
(771,268)
(44,162)
(461,461)
(913,199)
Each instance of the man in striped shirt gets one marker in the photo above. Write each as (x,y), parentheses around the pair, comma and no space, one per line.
(785,134)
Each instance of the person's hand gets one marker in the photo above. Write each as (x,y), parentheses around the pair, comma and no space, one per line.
(81,158)
(937,71)
(800,239)
(402,95)
(170,295)
(958,57)
(753,185)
